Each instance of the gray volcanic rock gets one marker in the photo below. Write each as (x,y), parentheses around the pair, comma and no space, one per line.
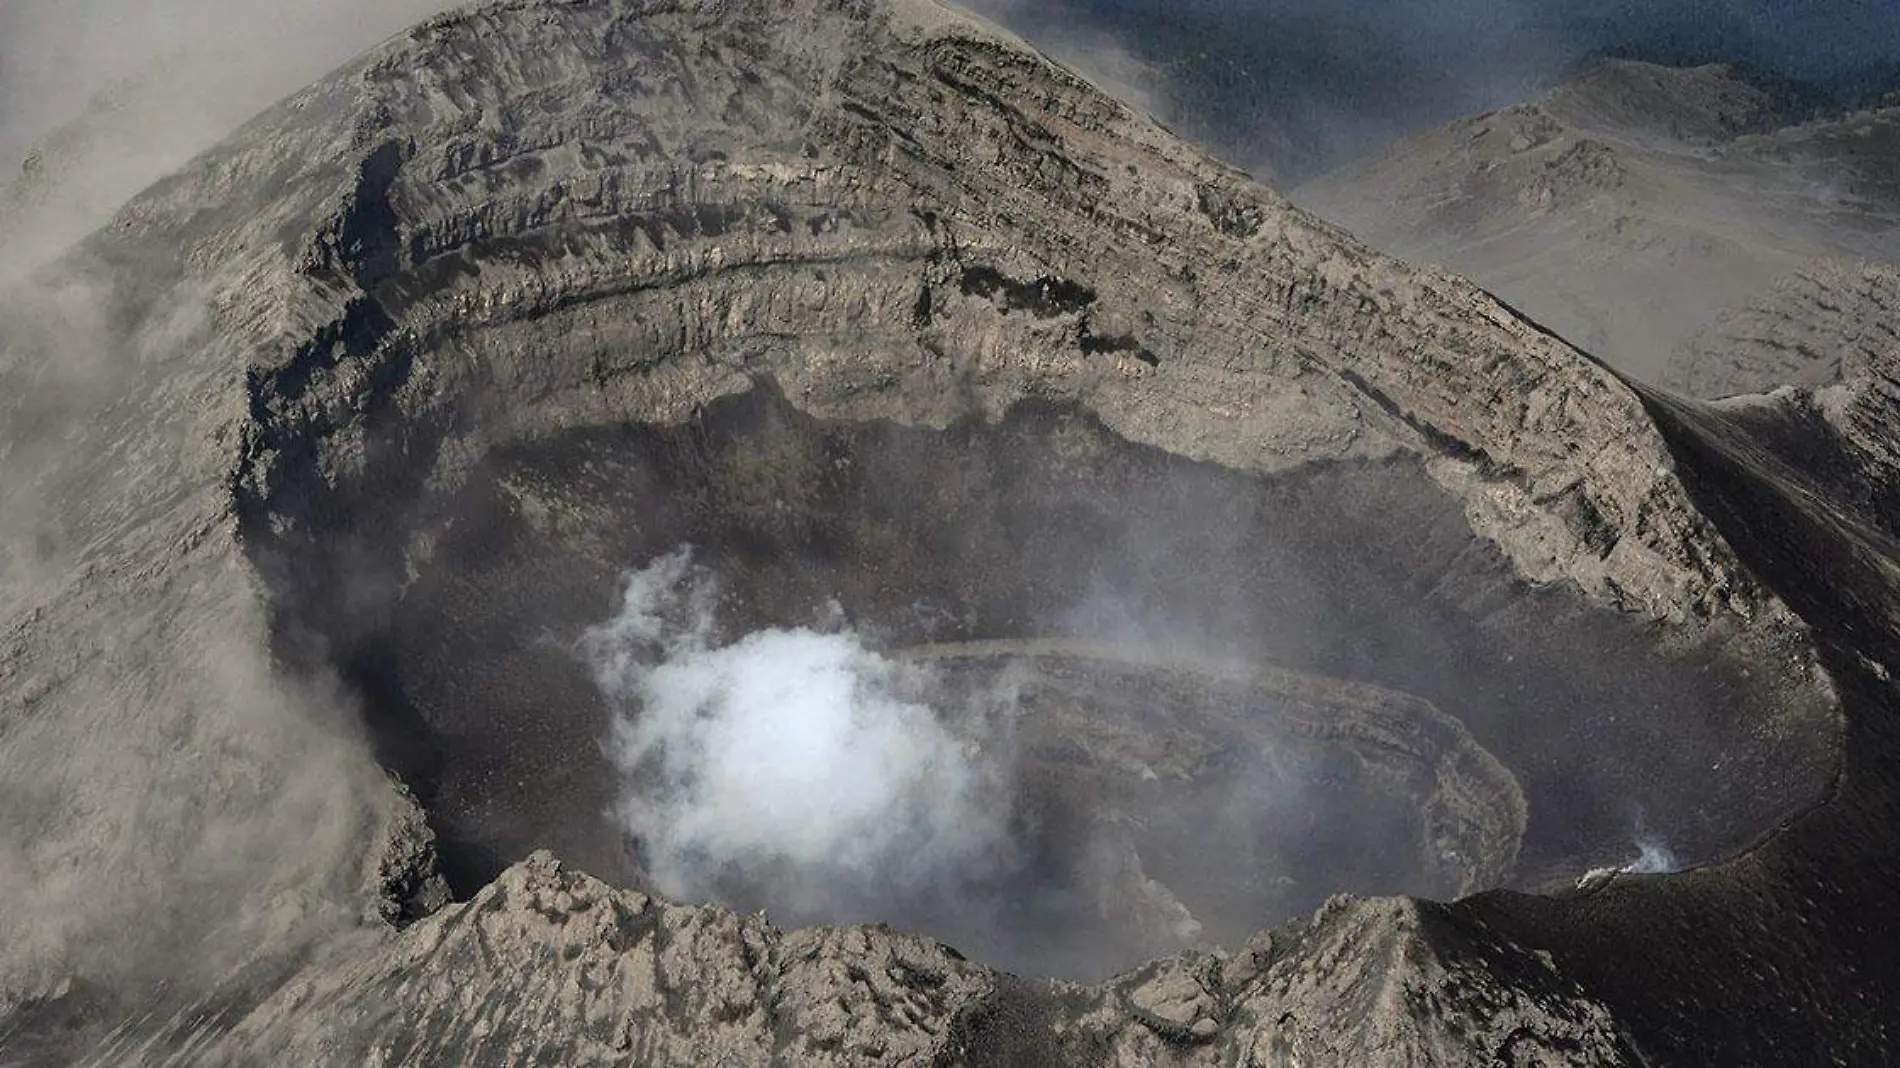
(1827,323)
(250,422)
(614,977)
(1641,211)
(1811,475)
(549,966)
(1302,346)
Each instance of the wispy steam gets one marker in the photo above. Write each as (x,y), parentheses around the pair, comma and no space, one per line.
(101,98)
(57,55)
(1653,858)
(790,758)
(174,801)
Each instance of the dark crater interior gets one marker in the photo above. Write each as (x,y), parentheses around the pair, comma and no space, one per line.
(1408,687)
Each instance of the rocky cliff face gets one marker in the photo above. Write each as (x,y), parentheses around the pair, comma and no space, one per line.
(248,419)
(949,200)
(547,966)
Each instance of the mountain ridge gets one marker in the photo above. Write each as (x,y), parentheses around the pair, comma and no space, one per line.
(1637,209)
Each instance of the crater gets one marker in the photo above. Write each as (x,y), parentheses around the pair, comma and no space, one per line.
(1232,695)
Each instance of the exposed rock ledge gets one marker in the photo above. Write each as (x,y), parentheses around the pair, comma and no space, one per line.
(547,966)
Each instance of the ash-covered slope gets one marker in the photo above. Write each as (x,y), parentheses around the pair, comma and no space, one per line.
(1826,323)
(316,447)
(1647,213)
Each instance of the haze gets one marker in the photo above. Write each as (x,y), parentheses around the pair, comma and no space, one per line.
(1283,87)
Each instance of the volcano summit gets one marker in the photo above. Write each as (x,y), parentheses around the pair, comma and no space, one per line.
(1164,562)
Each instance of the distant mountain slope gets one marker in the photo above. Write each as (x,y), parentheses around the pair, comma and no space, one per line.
(1823,322)
(1638,208)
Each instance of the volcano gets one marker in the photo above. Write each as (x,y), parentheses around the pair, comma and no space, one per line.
(1357,633)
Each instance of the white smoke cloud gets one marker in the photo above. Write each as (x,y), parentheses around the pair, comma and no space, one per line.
(794,759)
(1653,858)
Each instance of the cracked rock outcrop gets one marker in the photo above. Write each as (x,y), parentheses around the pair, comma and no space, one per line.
(1825,323)
(550,966)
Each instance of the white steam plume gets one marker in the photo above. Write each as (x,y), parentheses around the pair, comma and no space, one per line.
(1653,858)
(791,759)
